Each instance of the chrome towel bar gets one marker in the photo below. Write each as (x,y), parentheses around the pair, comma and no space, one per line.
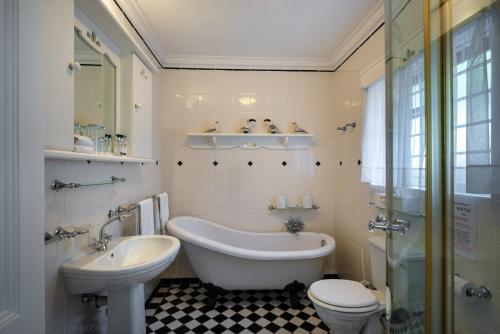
(57,185)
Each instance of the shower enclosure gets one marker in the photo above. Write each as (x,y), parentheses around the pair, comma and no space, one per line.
(442,202)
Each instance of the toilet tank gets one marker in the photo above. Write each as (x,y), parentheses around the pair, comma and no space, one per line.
(377,261)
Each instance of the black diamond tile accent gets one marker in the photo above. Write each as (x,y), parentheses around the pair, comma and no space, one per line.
(359,162)
(215,163)
(179,163)
(340,163)
(318,163)
(250,163)
(284,163)
(236,311)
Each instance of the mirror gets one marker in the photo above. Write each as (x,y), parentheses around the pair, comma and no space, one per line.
(95,96)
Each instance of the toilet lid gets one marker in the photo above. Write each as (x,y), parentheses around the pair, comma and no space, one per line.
(342,293)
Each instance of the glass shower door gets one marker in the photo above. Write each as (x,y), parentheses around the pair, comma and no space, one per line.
(473,55)
(406,166)
(443,166)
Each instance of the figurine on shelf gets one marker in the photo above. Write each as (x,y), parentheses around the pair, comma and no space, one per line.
(271,128)
(214,129)
(249,126)
(297,129)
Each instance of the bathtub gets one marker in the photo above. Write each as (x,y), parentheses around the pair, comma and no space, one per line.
(237,260)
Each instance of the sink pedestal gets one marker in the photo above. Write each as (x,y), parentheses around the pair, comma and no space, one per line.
(126,314)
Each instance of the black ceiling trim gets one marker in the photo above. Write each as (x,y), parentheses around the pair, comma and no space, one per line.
(138,33)
(359,47)
(241,69)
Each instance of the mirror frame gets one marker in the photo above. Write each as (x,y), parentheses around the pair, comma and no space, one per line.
(103,47)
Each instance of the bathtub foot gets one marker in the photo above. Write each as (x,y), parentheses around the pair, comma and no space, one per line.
(293,289)
(212,293)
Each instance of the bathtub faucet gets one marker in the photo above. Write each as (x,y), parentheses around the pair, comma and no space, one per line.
(294,225)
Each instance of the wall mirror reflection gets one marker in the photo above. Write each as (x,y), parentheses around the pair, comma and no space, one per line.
(95,98)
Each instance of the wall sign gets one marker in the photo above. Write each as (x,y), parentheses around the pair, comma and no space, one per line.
(465,228)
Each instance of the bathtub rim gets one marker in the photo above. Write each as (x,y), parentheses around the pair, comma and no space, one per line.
(245,253)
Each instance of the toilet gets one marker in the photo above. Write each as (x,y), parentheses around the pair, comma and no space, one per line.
(348,307)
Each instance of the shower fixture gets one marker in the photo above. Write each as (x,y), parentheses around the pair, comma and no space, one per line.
(347,125)
(352,125)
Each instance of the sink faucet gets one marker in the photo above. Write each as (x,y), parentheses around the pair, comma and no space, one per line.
(101,244)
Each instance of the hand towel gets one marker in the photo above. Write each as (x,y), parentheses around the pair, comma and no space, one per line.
(163,211)
(83,141)
(84,149)
(146,218)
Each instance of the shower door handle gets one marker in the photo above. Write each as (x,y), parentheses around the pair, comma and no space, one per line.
(381,223)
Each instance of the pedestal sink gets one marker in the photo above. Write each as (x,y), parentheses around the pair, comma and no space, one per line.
(121,271)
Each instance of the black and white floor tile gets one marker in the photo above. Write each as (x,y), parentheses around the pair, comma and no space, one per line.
(177,306)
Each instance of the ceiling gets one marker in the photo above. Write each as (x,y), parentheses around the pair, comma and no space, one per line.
(251,32)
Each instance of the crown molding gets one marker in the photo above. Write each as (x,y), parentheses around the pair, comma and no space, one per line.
(284,63)
(367,26)
(141,23)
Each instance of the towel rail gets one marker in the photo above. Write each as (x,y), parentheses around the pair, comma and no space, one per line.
(56,185)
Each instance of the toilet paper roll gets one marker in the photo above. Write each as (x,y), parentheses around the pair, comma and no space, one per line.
(280,201)
(461,286)
(306,201)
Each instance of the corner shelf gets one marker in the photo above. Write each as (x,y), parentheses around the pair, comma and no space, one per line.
(250,141)
(314,207)
(67,155)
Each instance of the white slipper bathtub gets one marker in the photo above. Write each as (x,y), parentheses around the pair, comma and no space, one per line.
(239,260)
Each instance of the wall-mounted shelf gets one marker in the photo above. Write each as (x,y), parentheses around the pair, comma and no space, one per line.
(298,207)
(66,155)
(251,141)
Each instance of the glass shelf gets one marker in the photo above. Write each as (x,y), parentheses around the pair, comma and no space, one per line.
(298,207)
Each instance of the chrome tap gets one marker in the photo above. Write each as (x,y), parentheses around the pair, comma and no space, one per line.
(101,244)
(381,223)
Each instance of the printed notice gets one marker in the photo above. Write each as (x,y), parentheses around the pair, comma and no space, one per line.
(465,228)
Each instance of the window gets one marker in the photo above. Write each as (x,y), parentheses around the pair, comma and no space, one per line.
(474,167)
(472,106)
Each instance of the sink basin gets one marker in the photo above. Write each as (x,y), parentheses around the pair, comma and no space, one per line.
(121,271)
(127,261)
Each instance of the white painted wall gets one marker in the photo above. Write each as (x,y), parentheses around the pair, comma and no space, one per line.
(87,207)
(233,193)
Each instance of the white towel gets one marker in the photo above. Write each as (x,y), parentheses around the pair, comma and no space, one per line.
(163,211)
(146,219)
(83,141)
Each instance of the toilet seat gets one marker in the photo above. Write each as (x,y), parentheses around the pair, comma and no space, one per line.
(343,296)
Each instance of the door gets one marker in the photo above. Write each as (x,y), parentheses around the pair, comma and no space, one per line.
(59,52)
(21,167)
(142,116)
(406,158)
(465,40)
(442,204)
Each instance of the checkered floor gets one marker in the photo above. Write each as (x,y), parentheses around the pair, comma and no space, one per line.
(178,307)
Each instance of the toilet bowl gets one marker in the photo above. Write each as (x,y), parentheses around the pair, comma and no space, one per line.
(347,307)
